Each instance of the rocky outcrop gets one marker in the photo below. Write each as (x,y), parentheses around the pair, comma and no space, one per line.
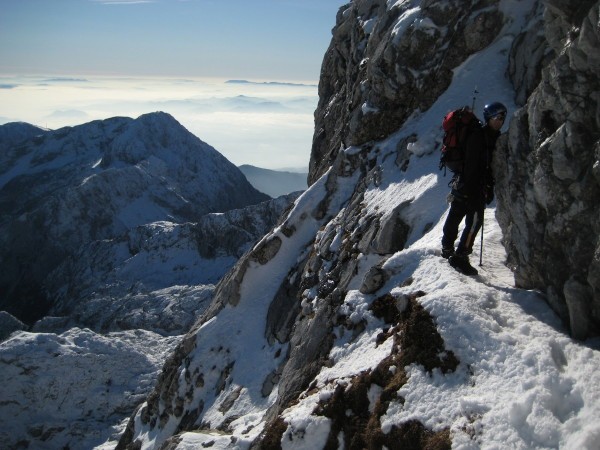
(549,168)
(387,60)
(529,54)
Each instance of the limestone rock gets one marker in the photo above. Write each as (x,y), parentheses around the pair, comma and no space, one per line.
(374,279)
(530,52)
(548,186)
(393,232)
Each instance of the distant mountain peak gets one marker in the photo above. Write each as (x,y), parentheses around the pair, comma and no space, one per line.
(274,182)
(96,181)
(268,83)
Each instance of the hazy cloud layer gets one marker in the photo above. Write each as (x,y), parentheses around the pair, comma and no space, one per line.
(123,2)
(265,124)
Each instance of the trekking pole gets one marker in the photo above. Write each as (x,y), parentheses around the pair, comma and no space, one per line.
(481,248)
(475,92)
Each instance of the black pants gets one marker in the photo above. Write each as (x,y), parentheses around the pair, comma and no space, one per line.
(473,216)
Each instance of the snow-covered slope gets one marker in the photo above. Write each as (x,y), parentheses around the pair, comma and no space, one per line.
(74,389)
(343,327)
(431,357)
(274,182)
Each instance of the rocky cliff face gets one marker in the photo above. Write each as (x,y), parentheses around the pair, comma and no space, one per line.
(278,359)
(549,165)
(388,60)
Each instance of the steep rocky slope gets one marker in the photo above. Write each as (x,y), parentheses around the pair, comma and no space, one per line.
(548,200)
(343,328)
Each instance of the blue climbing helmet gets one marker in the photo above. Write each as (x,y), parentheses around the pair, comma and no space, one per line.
(493,109)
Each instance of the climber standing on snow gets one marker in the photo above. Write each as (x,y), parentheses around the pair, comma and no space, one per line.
(472,189)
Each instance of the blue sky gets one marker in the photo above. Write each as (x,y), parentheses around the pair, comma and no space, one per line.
(67,62)
(253,39)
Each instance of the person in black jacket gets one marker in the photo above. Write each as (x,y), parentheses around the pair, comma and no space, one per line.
(472,189)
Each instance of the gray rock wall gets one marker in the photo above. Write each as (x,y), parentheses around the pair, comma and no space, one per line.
(375,75)
(549,168)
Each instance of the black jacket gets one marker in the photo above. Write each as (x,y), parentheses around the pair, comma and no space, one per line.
(475,184)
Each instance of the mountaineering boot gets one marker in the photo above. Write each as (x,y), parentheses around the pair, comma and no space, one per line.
(461,263)
(447,252)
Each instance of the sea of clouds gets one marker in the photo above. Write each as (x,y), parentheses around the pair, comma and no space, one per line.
(263,123)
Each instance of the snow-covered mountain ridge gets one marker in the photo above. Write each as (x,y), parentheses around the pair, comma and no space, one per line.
(343,327)
(60,190)
(109,246)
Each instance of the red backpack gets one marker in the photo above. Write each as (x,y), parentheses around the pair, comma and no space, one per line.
(457,124)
